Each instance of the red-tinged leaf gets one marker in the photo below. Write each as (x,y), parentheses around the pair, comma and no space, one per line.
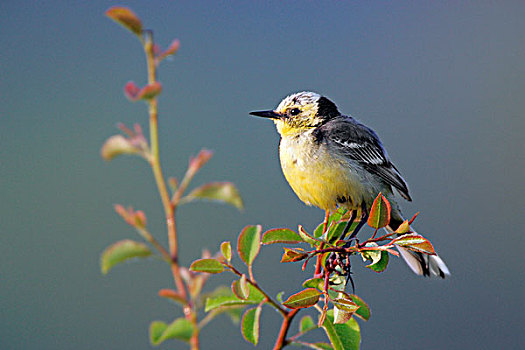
(224,192)
(120,210)
(140,219)
(345,303)
(250,325)
(207,265)
(150,91)
(364,310)
(403,228)
(307,238)
(241,288)
(280,235)
(226,250)
(413,218)
(173,295)
(344,309)
(125,17)
(122,251)
(132,217)
(117,145)
(131,91)
(202,158)
(291,255)
(249,243)
(416,243)
(379,213)
(171,50)
(305,298)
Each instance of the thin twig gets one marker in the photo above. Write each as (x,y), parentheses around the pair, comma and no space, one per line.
(256,286)
(169,209)
(325,227)
(149,237)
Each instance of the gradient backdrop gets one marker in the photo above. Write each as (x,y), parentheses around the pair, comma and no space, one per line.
(443,83)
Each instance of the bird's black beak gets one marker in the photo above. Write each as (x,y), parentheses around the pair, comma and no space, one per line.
(266,114)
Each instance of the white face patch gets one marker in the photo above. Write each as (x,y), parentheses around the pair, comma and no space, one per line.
(300,99)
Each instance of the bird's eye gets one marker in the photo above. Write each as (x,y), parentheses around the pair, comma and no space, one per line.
(295,111)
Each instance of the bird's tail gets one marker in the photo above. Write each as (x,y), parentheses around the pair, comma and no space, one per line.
(421,264)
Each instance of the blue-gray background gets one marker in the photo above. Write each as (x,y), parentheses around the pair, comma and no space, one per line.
(443,83)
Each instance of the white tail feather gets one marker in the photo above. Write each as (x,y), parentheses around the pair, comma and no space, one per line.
(423,264)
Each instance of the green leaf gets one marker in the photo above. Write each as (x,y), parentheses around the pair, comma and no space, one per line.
(250,325)
(364,310)
(279,297)
(291,255)
(333,219)
(126,18)
(249,243)
(307,238)
(156,329)
(317,283)
(379,213)
(241,288)
(346,336)
(281,235)
(180,329)
(378,257)
(304,298)
(415,242)
(207,265)
(329,328)
(117,145)
(224,192)
(336,230)
(227,298)
(122,251)
(306,324)
(226,250)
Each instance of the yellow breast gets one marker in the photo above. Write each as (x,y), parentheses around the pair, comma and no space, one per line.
(317,177)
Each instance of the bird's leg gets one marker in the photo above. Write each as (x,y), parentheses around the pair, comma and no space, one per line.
(348,269)
(364,218)
(348,224)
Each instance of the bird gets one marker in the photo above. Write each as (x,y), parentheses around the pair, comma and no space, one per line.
(331,160)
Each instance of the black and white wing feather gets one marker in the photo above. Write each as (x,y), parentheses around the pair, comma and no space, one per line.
(361,144)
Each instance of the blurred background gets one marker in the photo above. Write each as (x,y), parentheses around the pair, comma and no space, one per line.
(442,83)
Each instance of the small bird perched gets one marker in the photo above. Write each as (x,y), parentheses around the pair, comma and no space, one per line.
(331,160)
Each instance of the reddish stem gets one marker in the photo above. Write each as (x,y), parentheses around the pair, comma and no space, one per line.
(325,227)
(285,326)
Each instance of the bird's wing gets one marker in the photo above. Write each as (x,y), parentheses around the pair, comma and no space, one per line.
(361,144)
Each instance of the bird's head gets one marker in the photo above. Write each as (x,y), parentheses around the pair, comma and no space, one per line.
(299,112)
